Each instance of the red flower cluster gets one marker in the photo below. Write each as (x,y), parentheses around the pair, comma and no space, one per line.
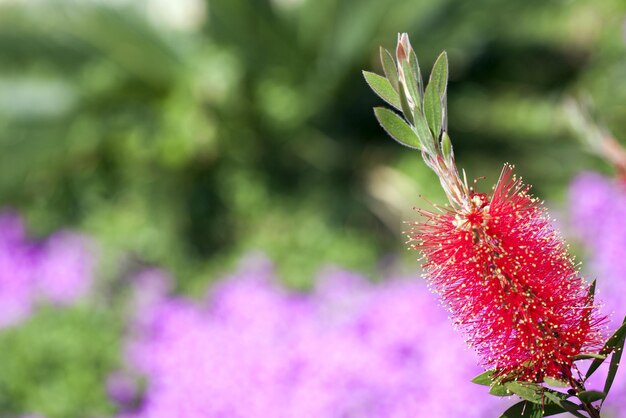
(505,275)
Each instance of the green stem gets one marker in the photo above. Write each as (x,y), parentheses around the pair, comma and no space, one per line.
(578,386)
(593,412)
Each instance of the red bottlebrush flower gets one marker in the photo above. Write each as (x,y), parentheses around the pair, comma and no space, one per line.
(496,261)
(504,273)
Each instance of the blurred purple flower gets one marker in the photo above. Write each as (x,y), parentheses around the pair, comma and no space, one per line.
(16,273)
(348,349)
(598,215)
(65,268)
(121,389)
(58,270)
(150,287)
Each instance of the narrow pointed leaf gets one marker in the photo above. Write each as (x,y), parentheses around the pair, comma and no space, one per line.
(484,379)
(382,87)
(406,109)
(614,365)
(525,409)
(592,290)
(555,382)
(435,93)
(609,346)
(446,146)
(444,109)
(556,393)
(415,67)
(499,390)
(589,356)
(410,79)
(389,66)
(589,396)
(396,127)
(528,391)
(426,138)
(570,407)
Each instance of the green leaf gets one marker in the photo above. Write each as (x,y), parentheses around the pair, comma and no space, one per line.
(614,365)
(609,346)
(435,94)
(426,138)
(484,379)
(555,382)
(589,356)
(592,290)
(529,391)
(415,67)
(396,127)
(570,407)
(410,78)
(406,109)
(525,409)
(382,87)
(550,409)
(446,146)
(389,66)
(556,393)
(499,390)
(589,396)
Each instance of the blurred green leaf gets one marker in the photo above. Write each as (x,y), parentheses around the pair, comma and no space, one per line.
(57,363)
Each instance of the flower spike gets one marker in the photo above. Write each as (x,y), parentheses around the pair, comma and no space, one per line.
(495,260)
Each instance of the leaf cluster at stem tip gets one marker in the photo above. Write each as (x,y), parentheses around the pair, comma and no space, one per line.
(419,119)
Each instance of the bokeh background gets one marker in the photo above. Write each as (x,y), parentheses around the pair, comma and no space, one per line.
(185,135)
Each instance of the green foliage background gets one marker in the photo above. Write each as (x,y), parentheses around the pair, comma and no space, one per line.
(252,129)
